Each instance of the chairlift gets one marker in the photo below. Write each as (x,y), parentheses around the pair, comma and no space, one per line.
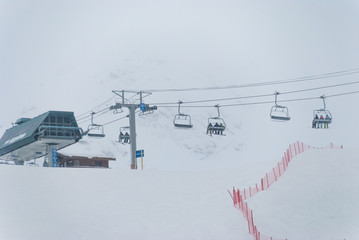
(95,130)
(182,120)
(321,117)
(279,113)
(124,136)
(216,125)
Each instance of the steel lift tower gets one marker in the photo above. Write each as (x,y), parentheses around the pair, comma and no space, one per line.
(132,107)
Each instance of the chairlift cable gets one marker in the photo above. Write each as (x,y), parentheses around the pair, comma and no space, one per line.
(318,88)
(89,118)
(268,83)
(245,104)
(259,96)
(98,113)
(215,100)
(118,119)
(342,94)
(95,107)
(278,82)
(265,102)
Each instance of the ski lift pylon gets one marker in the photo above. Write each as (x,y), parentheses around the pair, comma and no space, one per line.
(278,112)
(182,120)
(95,130)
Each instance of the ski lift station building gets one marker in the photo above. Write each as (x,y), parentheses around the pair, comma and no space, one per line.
(31,138)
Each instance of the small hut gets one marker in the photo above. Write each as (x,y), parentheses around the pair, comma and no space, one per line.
(91,153)
(83,161)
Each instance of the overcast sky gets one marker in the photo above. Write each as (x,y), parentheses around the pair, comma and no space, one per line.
(69,55)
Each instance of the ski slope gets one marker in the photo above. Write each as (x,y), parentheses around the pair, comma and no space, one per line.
(316,198)
(116,204)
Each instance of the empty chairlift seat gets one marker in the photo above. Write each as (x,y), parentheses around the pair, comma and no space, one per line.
(279,113)
(95,130)
(182,120)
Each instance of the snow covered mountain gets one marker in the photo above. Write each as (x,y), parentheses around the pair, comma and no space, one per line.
(70,55)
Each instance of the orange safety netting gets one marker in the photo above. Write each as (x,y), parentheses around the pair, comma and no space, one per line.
(239,196)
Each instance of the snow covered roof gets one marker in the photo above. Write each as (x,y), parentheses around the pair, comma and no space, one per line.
(91,148)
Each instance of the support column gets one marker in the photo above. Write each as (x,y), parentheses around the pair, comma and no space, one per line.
(132,106)
(50,152)
(133,136)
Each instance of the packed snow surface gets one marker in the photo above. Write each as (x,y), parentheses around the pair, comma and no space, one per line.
(317,197)
(43,203)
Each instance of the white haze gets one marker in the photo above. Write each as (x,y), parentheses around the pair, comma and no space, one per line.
(70,55)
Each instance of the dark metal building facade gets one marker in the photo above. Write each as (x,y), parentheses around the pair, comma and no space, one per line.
(30,138)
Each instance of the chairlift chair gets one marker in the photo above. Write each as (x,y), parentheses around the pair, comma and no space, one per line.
(278,112)
(95,130)
(322,117)
(182,120)
(216,125)
(122,137)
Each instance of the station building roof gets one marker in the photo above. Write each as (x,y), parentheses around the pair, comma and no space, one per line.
(29,137)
